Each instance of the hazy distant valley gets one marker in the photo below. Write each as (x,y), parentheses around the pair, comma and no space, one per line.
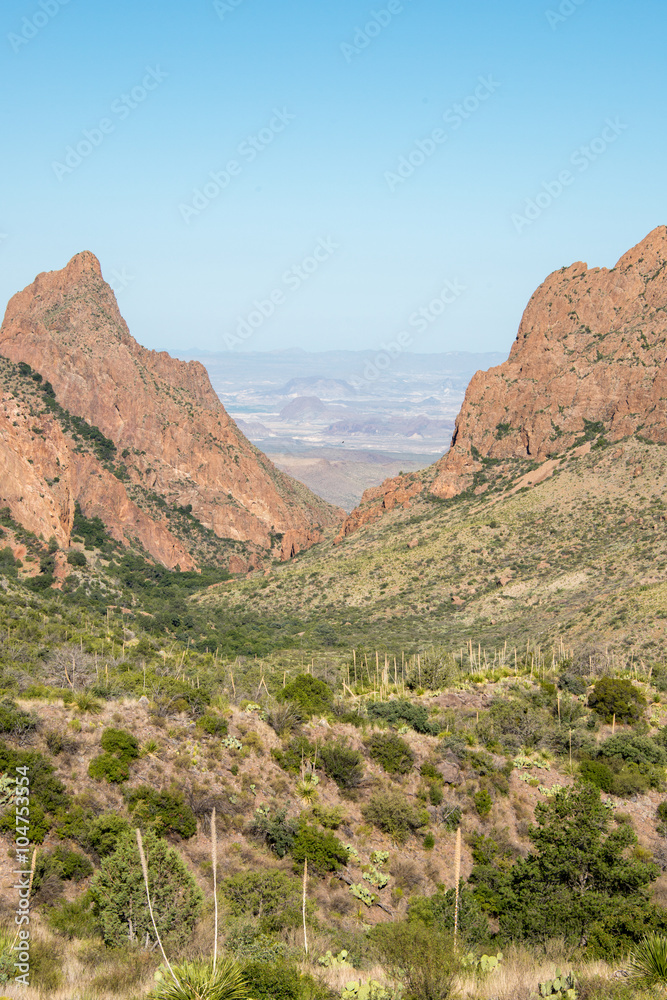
(334,421)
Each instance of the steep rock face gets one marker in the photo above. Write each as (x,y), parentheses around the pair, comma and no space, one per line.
(396,492)
(43,473)
(592,345)
(175,437)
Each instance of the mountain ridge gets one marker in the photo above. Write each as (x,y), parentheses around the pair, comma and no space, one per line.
(177,442)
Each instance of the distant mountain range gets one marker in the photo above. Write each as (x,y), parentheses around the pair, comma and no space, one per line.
(342,421)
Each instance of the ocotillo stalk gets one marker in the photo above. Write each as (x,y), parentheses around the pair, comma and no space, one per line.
(305,884)
(214,858)
(457,879)
(144,868)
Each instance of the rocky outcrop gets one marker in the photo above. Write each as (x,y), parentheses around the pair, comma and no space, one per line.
(174,439)
(396,492)
(589,358)
(591,347)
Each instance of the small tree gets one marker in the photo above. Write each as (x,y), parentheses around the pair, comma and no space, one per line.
(119,894)
(613,696)
(578,875)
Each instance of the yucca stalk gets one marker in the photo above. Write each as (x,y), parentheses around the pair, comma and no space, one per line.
(214,858)
(648,961)
(199,981)
(457,879)
(144,868)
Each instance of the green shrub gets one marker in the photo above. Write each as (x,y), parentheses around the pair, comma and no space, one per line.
(274,829)
(391,752)
(429,842)
(119,895)
(483,802)
(14,721)
(269,893)
(97,834)
(76,558)
(390,812)
(107,767)
(573,683)
(124,745)
(7,562)
(342,763)
(634,748)
(438,910)
(283,981)
(597,774)
(48,795)
(403,713)
(297,751)
(330,819)
(613,696)
(63,863)
(74,919)
(324,851)
(212,724)
(163,812)
(423,958)
(313,696)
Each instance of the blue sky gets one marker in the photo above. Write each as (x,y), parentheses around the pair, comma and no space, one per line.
(305,111)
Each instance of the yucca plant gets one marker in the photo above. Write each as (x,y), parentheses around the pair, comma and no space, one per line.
(648,961)
(201,981)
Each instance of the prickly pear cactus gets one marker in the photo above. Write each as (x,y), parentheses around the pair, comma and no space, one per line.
(371,990)
(361,892)
(559,986)
(339,961)
(484,965)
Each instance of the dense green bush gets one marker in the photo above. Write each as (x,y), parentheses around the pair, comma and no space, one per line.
(14,721)
(48,795)
(124,745)
(403,713)
(342,763)
(421,957)
(518,722)
(573,683)
(76,558)
(282,981)
(212,724)
(313,696)
(298,750)
(61,863)
(324,851)
(612,696)
(119,894)
(7,562)
(391,752)
(274,829)
(598,774)
(108,767)
(266,892)
(390,812)
(164,812)
(634,748)
(97,834)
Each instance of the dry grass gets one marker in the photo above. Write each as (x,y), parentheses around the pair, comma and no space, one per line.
(518,975)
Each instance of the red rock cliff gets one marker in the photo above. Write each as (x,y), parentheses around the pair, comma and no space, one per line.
(176,438)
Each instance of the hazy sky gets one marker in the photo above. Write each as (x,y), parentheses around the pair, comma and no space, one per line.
(373,162)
